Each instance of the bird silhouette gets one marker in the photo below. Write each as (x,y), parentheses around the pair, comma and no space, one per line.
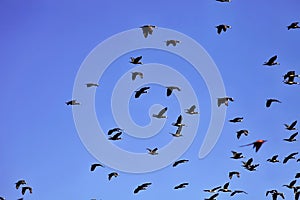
(270,101)
(152,151)
(297,175)
(24,189)
(224,0)
(135,74)
(292,138)
(236,155)
(273,159)
(161,113)
(2,198)
(241,132)
(116,136)
(291,156)
(143,186)
(93,166)
(112,174)
(19,183)
(224,100)
(237,192)
(275,194)
(232,173)
(271,61)
(237,119)
(147,30)
(222,27)
(291,127)
(179,162)
(136,61)
(293,25)
(171,88)
(213,190)
(191,110)
(212,197)
(111,131)
(291,185)
(297,194)
(178,123)
(178,132)
(173,42)
(290,74)
(143,90)
(225,188)
(257,144)
(72,102)
(182,185)
(92,85)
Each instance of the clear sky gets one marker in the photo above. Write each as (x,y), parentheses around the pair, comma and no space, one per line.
(43,45)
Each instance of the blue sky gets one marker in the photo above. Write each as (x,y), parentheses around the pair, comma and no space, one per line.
(43,45)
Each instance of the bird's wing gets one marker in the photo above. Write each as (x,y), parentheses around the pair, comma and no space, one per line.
(219,29)
(292,183)
(133,75)
(145,32)
(257,146)
(179,119)
(271,60)
(169,92)
(162,111)
(294,135)
(176,163)
(137,59)
(117,134)
(178,131)
(192,108)
(268,103)
(293,124)
(226,185)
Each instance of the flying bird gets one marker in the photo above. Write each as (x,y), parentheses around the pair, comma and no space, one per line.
(247,163)
(178,123)
(182,185)
(291,81)
(222,27)
(26,188)
(274,159)
(297,175)
(143,90)
(161,113)
(241,132)
(237,119)
(135,74)
(291,185)
(116,136)
(292,126)
(147,30)
(291,156)
(213,190)
(111,131)
(232,173)
(290,74)
(72,103)
(144,186)
(179,162)
(93,166)
(173,42)
(257,144)
(292,138)
(178,132)
(171,88)
(191,110)
(224,100)
(92,85)
(224,0)
(275,194)
(236,155)
(112,174)
(152,151)
(271,61)
(19,183)
(293,25)
(270,101)
(136,61)
(225,188)
(212,197)
(238,192)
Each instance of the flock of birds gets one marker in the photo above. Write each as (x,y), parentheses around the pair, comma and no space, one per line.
(115,133)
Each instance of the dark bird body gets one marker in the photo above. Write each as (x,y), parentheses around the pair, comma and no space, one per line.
(291,156)
(237,119)
(182,185)
(178,122)
(257,144)
(136,61)
(113,130)
(179,162)
(273,159)
(144,186)
(236,155)
(19,183)
(112,174)
(93,166)
(270,101)
(271,61)
(291,127)
(222,27)
(232,173)
(292,138)
(26,188)
(143,90)
(212,197)
(72,103)
(241,132)
(293,25)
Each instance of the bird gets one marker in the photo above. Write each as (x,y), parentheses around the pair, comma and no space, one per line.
(291,156)
(161,113)
(143,186)
(252,167)
(147,29)
(2,198)
(225,188)
(179,162)
(232,173)
(293,25)
(291,81)
(136,61)
(222,27)
(116,136)
(236,155)
(212,197)
(270,101)
(72,102)
(92,85)
(178,122)
(152,151)
(224,0)
(275,194)
(111,131)
(143,90)
(135,74)
(298,160)
(26,188)
(240,132)
(247,163)
(93,166)
(238,192)
(257,144)
(273,159)
(271,61)
(292,126)
(290,74)
(19,183)
(297,175)
(178,132)
(171,88)
(237,119)
(213,190)
(182,185)
(191,110)
(112,174)
(291,138)
(173,42)
(224,100)
(291,185)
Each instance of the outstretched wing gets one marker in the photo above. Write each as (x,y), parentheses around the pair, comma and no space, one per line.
(162,111)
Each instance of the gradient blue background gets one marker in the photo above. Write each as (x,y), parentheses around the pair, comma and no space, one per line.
(43,45)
